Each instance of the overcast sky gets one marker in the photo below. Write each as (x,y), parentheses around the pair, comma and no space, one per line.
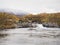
(32,6)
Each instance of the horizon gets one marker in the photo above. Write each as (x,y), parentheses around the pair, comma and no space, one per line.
(15,11)
(32,6)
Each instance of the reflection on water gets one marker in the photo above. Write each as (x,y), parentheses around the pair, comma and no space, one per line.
(3,35)
(23,36)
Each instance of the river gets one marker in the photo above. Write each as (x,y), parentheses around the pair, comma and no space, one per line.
(25,36)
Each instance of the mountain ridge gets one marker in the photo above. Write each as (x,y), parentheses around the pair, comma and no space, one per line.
(13,11)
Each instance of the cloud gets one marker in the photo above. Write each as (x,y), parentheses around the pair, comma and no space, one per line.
(47,10)
(32,6)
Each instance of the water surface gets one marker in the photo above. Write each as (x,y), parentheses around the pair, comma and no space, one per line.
(24,36)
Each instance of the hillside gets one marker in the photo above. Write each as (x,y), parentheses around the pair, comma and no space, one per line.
(11,18)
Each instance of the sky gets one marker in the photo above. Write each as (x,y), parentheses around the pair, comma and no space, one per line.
(32,6)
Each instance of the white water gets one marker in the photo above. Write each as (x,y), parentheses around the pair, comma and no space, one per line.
(24,36)
(45,28)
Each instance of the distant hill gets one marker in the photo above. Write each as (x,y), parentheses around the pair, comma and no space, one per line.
(16,12)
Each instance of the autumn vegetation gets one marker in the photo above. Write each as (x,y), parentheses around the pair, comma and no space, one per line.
(8,20)
(52,18)
(43,18)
